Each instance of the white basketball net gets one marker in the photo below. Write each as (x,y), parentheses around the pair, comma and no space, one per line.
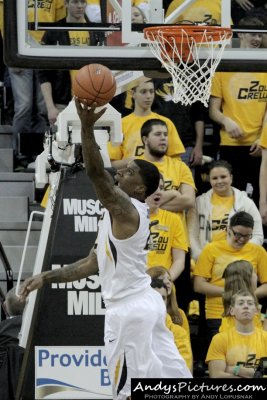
(191,77)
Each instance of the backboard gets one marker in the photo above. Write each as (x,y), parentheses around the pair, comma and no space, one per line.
(124,46)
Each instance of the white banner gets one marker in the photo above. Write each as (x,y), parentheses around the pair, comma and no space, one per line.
(71,372)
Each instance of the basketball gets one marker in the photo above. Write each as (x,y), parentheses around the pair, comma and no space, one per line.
(94,84)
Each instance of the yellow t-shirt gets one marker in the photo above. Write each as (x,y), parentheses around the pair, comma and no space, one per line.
(185,323)
(263,139)
(235,348)
(138,2)
(221,207)
(48,11)
(132,144)
(213,260)
(244,99)
(167,234)
(229,322)
(175,172)
(1,18)
(182,341)
(205,11)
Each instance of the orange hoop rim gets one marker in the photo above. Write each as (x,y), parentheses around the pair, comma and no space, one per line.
(213,32)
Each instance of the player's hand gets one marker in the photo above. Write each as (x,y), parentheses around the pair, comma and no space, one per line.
(232,128)
(255,150)
(87,115)
(30,284)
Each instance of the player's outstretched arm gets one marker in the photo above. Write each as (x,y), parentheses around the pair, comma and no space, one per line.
(72,272)
(112,198)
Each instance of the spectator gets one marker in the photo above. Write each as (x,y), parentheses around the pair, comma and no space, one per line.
(208,221)
(143,5)
(10,327)
(201,11)
(138,16)
(11,354)
(236,104)
(235,353)
(179,193)
(238,275)
(56,84)
(181,337)
(177,315)
(247,8)
(263,177)
(208,272)
(169,242)
(132,145)
(180,116)
(29,105)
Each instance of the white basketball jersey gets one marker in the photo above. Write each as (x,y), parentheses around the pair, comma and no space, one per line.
(122,263)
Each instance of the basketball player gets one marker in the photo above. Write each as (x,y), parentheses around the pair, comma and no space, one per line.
(135,331)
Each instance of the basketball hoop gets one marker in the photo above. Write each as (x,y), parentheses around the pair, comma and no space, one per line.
(180,49)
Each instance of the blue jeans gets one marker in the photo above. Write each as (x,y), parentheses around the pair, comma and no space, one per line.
(29,106)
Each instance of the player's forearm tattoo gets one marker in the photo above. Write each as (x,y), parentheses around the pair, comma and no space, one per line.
(69,273)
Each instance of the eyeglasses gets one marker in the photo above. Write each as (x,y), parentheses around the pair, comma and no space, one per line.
(239,235)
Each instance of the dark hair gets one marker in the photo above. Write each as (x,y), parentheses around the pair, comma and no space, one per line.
(242,218)
(221,164)
(158,283)
(149,174)
(147,126)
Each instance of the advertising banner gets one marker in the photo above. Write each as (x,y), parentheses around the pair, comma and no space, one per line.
(71,372)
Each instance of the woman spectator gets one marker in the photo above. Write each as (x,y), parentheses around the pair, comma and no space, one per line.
(177,314)
(208,221)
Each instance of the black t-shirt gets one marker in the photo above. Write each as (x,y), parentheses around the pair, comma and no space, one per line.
(176,112)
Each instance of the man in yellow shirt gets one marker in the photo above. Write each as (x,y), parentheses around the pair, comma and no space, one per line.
(238,105)
(235,353)
(179,186)
(179,189)
(204,11)
(132,145)
(214,258)
(263,177)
